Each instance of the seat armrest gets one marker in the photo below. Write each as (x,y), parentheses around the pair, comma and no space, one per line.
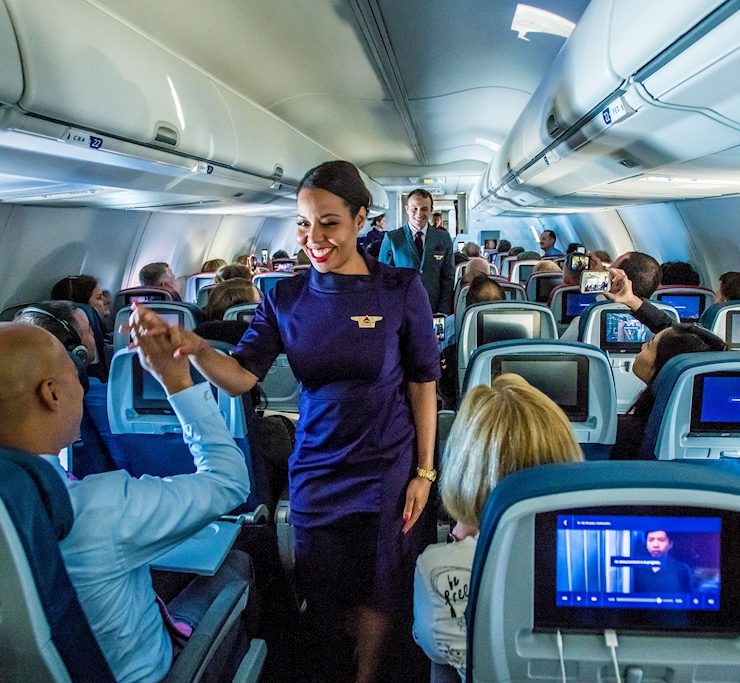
(206,638)
(260,515)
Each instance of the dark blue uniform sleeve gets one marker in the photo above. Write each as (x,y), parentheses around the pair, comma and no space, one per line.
(419,350)
(261,343)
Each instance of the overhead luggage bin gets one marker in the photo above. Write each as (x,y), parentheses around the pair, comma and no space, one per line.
(618,120)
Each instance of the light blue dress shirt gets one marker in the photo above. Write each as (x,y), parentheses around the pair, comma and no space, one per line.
(122,523)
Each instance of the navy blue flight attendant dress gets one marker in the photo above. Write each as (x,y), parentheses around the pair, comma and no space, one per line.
(353,341)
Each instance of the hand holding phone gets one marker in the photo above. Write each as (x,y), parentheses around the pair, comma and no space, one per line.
(595,281)
(265,256)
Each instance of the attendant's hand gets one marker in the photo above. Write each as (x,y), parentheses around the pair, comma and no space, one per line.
(157,355)
(621,290)
(417,494)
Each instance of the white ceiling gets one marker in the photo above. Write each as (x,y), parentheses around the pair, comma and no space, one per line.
(403,88)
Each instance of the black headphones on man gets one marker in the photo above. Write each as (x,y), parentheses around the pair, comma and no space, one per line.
(75,347)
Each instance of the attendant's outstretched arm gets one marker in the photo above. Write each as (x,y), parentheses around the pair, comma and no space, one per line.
(221,370)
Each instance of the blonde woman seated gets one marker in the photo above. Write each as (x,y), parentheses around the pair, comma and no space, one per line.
(498,430)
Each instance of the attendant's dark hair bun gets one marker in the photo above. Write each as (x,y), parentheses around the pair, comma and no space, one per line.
(340,178)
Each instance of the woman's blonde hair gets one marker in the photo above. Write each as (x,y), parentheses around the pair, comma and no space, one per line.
(546,266)
(232,271)
(499,430)
(212,266)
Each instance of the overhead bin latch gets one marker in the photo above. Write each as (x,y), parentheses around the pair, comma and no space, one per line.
(276,176)
(166,133)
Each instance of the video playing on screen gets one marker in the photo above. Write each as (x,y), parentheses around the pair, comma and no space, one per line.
(564,378)
(574,304)
(638,562)
(715,404)
(510,325)
(144,298)
(621,331)
(688,306)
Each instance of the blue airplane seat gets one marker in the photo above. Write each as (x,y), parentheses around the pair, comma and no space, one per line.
(690,302)
(724,320)
(488,322)
(521,270)
(143,294)
(44,634)
(181,313)
(697,408)
(512,292)
(195,283)
(203,295)
(613,328)
(266,281)
(576,376)
(567,303)
(146,436)
(281,388)
(241,312)
(539,286)
(90,454)
(557,536)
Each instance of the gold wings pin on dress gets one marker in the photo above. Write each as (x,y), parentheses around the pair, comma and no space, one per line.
(366,321)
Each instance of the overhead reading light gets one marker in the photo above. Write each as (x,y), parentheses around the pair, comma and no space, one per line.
(432,181)
(488,143)
(528,19)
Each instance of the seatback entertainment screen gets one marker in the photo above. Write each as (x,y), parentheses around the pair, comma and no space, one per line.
(620,331)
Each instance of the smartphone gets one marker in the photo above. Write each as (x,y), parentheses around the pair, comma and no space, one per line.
(595,281)
(265,256)
(578,262)
(460,246)
(439,327)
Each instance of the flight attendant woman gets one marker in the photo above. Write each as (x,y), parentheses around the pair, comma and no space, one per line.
(359,337)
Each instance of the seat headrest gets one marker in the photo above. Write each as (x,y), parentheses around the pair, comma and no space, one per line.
(17,466)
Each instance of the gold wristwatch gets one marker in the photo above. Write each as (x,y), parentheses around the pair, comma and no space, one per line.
(431,475)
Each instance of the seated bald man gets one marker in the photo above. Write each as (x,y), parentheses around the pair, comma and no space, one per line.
(122,523)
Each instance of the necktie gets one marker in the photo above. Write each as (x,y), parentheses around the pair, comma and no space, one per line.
(419,243)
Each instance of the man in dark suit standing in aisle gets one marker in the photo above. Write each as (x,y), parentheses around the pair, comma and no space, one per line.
(417,245)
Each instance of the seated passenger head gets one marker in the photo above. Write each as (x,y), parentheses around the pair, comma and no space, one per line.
(158,275)
(81,289)
(230,293)
(515,251)
(658,543)
(602,255)
(67,323)
(471,249)
(438,221)
(729,287)
(528,255)
(499,430)
(670,342)
(41,397)
(483,289)
(232,271)
(212,265)
(643,270)
(546,266)
(503,247)
(280,253)
(678,273)
(336,188)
